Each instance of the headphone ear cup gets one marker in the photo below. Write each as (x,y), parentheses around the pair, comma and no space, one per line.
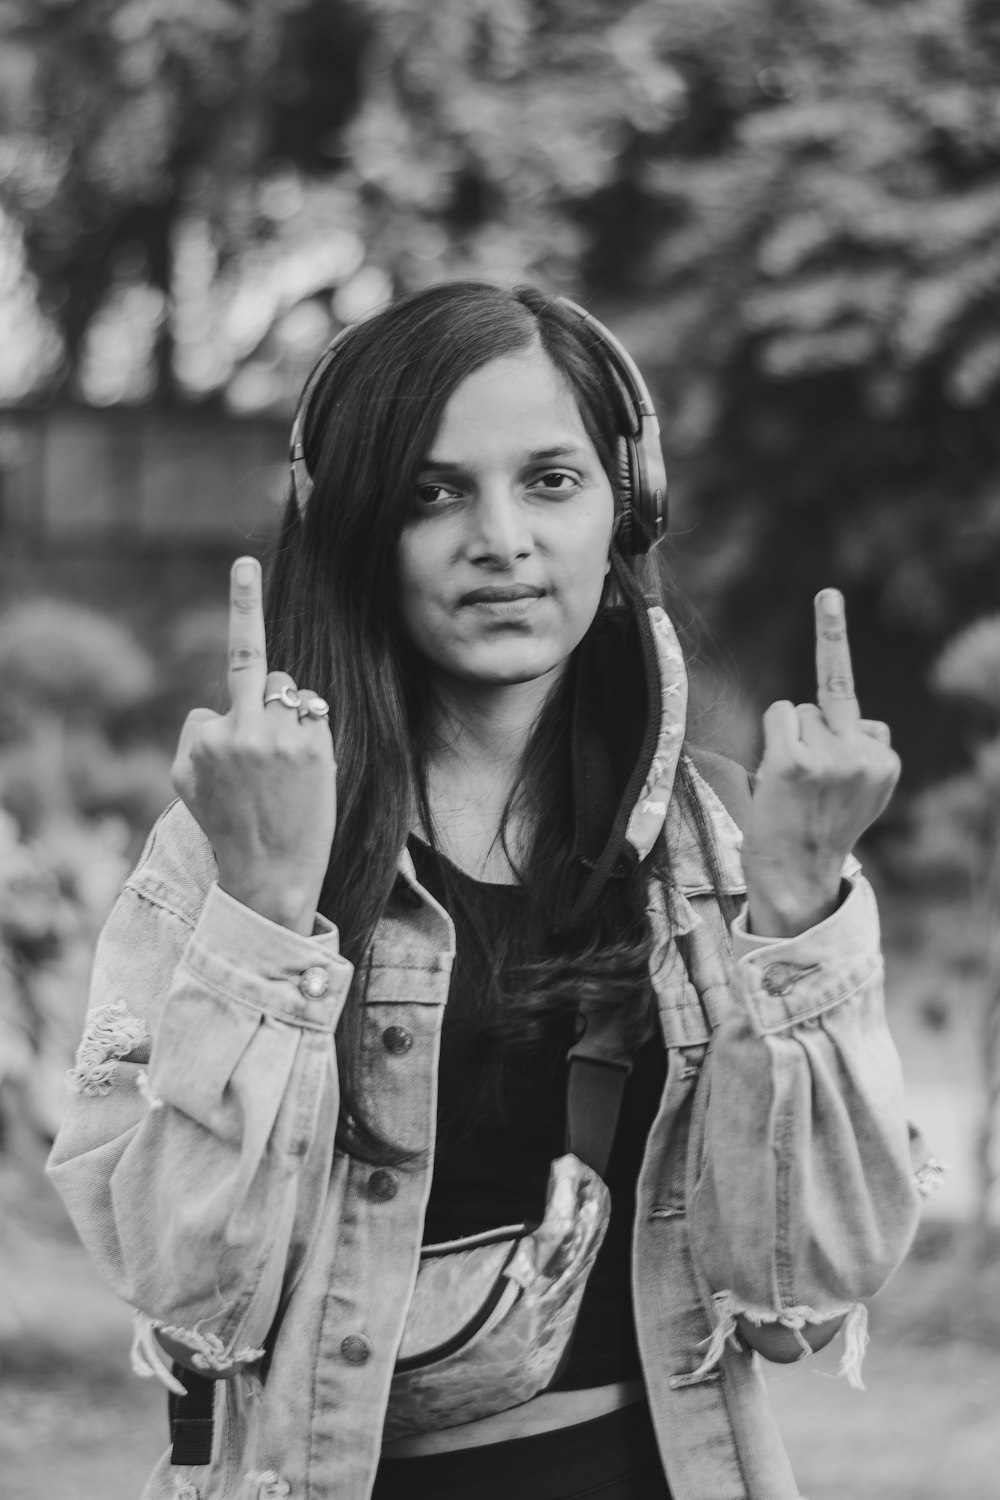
(624,471)
(648,494)
(628,531)
(643,515)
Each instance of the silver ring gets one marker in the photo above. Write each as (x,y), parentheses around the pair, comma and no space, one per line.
(316,708)
(289,696)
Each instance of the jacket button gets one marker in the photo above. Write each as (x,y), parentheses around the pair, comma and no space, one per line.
(356,1348)
(778,979)
(314,982)
(383,1185)
(397,1040)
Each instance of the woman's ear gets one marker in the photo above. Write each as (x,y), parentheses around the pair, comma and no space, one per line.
(608,588)
(616,527)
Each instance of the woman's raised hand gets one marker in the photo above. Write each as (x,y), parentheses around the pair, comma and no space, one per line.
(826,774)
(261,779)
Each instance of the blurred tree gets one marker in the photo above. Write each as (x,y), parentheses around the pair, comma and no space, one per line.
(790,212)
(77,795)
(955,841)
(122,119)
(70,678)
(823,295)
(55,891)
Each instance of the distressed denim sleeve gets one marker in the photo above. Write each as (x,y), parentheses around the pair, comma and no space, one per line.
(806,1198)
(205,1093)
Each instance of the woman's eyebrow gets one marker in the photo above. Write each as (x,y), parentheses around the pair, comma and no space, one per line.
(562,450)
(537,456)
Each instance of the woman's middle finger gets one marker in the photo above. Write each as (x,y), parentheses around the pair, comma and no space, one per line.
(876,730)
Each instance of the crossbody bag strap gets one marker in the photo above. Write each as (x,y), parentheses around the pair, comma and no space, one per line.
(599,1067)
(192,1418)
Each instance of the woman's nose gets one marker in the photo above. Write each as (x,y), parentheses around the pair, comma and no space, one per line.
(500,532)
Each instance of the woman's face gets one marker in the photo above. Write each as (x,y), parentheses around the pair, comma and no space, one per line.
(503,558)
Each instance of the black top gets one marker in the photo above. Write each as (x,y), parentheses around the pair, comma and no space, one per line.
(502,1119)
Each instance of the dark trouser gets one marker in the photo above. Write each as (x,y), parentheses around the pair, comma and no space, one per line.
(614,1457)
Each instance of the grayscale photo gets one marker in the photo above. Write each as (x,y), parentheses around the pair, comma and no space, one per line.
(499,750)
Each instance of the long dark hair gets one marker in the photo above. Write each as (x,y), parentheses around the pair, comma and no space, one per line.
(333,624)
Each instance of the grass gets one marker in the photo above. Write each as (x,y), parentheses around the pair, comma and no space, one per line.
(82,1430)
(75,1424)
(925,1428)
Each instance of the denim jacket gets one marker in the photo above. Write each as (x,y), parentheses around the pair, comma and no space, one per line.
(197,1158)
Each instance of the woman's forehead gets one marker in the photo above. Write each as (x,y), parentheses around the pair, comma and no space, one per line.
(521,403)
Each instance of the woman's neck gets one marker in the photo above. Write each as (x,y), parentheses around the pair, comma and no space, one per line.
(479,737)
(484,729)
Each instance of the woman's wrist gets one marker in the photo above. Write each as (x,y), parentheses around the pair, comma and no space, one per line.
(786,908)
(282,905)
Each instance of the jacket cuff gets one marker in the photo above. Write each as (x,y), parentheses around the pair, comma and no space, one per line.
(238,952)
(788,980)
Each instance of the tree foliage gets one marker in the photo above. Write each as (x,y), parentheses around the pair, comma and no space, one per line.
(791,214)
(122,119)
(955,841)
(829,316)
(790,211)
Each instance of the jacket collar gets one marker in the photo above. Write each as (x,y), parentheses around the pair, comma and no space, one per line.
(629,719)
(689,861)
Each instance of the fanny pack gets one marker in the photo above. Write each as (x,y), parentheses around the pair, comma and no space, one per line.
(491,1319)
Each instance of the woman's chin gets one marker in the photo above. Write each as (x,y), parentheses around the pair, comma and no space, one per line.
(509,670)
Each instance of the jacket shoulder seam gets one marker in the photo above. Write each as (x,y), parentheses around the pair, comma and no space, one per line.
(176,866)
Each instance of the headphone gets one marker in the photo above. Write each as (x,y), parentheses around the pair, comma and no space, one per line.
(640,458)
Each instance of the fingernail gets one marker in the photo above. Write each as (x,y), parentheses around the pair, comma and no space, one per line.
(245,570)
(830,600)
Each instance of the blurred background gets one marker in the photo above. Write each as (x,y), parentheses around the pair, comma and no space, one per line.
(789,210)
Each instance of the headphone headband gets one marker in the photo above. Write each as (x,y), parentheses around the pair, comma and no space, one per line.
(643,468)
(643,471)
(302,485)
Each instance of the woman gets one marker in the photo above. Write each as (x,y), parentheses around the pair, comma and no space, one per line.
(270,1117)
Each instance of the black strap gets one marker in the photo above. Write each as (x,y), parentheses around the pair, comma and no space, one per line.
(594,1102)
(191,1418)
(599,1066)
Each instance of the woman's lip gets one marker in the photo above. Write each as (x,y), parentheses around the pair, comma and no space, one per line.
(502,595)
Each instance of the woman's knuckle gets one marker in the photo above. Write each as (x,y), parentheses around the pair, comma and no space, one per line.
(848,757)
(244,655)
(249,745)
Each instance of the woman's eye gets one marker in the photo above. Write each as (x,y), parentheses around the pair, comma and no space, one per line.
(434,494)
(556,481)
